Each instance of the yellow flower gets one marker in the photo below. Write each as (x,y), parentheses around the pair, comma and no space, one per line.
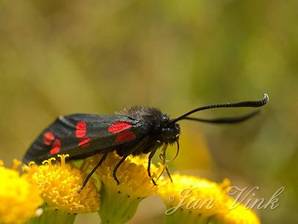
(60,184)
(132,174)
(19,199)
(119,202)
(189,199)
(237,214)
(198,195)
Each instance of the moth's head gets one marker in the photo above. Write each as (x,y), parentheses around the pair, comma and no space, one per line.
(170,131)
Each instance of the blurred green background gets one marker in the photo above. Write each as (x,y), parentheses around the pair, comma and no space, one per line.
(61,57)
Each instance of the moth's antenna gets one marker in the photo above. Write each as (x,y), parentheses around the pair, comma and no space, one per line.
(257,103)
(225,120)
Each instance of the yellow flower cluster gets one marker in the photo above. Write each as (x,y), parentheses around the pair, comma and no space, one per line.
(237,214)
(132,174)
(60,183)
(119,202)
(19,199)
(192,199)
(188,199)
(196,195)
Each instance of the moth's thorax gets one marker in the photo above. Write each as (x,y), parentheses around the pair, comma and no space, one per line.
(161,125)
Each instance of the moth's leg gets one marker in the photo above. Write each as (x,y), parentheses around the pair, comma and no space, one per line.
(93,170)
(166,167)
(132,150)
(149,165)
(163,158)
(177,150)
(168,173)
(116,168)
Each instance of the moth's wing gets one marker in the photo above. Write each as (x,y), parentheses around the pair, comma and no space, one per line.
(82,135)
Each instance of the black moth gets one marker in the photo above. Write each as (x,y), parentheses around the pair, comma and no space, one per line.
(138,130)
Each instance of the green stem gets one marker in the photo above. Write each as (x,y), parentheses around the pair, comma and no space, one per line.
(186,217)
(50,216)
(117,207)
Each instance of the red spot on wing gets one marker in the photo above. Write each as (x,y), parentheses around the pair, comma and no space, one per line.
(84,142)
(81,134)
(56,147)
(125,136)
(119,126)
(48,138)
(81,129)
(55,150)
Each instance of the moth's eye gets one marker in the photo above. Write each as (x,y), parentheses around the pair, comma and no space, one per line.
(164,117)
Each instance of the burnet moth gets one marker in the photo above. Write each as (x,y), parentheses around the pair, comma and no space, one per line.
(138,130)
